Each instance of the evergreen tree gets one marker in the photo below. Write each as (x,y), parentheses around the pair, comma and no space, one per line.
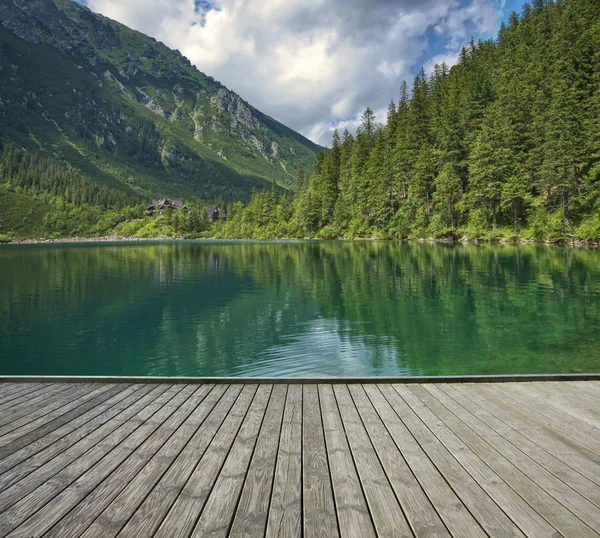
(342,210)
(329,182)
(489,166)
(300,178)
(447,192)
(402,160)
(366,129)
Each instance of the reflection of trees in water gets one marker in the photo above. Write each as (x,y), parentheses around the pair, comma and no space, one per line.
(223,305)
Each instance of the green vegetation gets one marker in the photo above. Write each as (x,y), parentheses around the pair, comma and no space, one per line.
(43,198)
(170,224)
(503,146)
(32,174)
(21,216)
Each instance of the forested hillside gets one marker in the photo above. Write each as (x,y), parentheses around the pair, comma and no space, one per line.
(504,145)
(40,197)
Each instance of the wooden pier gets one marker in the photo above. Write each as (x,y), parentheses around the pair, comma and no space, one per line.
(143,459)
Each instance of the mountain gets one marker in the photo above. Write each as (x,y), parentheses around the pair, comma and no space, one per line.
(130,113)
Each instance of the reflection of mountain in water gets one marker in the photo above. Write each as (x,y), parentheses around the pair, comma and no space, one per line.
(326,308)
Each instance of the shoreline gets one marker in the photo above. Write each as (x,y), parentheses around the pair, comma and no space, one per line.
(134,239)
(99,239)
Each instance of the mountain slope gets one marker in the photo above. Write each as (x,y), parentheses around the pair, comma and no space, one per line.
(129,112)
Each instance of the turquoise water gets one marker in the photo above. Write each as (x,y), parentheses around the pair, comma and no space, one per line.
(297,309)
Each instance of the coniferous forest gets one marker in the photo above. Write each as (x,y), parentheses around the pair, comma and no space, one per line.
(504,145)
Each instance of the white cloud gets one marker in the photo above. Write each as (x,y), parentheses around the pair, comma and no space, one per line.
(479,14)
(450,59)
(311,64)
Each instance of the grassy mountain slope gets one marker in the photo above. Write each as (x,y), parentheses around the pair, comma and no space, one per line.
(21,215)
(129,112)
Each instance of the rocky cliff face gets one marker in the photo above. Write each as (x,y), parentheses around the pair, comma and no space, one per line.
(43,21)
(111,75)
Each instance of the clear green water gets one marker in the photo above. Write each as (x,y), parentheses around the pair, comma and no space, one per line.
(298,309)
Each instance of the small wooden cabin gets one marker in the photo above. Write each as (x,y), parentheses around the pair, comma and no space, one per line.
(161,205)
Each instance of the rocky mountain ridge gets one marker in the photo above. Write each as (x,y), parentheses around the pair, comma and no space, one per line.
(129,111)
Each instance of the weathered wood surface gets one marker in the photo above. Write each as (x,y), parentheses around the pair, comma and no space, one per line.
(312,460)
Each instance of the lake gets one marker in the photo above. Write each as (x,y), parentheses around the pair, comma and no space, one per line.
(355,308)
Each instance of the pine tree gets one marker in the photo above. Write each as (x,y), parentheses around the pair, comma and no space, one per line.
(367,128)
(448,192)
(489,165)
(377,201)
(342,210)
(329,181)
(402,160)
(300,178)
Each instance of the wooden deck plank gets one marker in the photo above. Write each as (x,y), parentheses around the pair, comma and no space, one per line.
(590,390)
(215,520)
(7,385)
(61,396)
(30,474)
(318,506)
(43,390)
(533,491)
(145,467)
(190,486)
(22,402)
(420,513)
(73,428)
(448,504)
(152,512)
(579,431)
(554,413)
(350,503)
(28,401)
(20,392)
(573,501)
(488,514)
(81,396)
(387,514)
(285,512)
(551,463)
(583,404)
(27,408)
(94,461)
(291,460)
(252,510)
(514,506)
(556,443)
(81,517)
(31,398)
(8,391)
(33,456)
(58,496)
(56,423)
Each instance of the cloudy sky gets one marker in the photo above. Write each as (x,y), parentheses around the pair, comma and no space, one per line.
(313,64)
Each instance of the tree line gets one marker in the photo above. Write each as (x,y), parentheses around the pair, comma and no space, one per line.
(31,173)
(504,145)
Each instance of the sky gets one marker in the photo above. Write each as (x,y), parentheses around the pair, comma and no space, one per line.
(314,65)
